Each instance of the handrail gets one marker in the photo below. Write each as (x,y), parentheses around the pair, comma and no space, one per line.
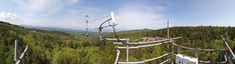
(211,62)
(145,60)
(165,61)
(198,49)
(141,46)
(151,42)
(114,39)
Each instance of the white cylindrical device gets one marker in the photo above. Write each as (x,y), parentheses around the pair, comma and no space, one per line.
(112,16)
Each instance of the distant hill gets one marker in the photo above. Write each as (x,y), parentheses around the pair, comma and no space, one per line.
(135,31)
(68,30)
(82,30)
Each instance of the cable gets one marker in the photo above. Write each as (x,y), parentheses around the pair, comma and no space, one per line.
(114,31)
(99,18)
(100,28)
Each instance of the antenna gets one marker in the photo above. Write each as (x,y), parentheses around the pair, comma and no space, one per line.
(110,24)
(112,17)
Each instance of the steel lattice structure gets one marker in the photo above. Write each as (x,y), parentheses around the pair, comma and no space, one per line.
(152,43)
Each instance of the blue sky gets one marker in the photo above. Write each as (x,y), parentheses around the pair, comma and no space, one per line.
(129,14)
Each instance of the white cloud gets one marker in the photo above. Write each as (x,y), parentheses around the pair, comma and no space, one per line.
(43,7)
(40,12)
(139,17)
(11,18)
(73,12)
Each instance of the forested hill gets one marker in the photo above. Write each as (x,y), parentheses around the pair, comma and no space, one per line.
(45,47)
(55,47)
(205,33)
(200,36)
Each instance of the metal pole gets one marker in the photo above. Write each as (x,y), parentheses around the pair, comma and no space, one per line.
(87,26)
(116,61)
(118,53)
(168,35)
(127,47)
(196,52)
(178,49)
(172,52)
(100,29)
(228,48)
(16,50)
(168,53)
(168,39)
(220,54)
(22,55)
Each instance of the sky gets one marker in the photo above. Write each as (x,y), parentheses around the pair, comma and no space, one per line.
(129,14)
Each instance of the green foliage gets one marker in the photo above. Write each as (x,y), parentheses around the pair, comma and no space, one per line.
(55,47)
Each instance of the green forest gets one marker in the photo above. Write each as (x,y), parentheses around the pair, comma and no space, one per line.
(56,47)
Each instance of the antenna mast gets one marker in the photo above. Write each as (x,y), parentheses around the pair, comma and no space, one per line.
(87,26)
(168,21)
(168,39)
